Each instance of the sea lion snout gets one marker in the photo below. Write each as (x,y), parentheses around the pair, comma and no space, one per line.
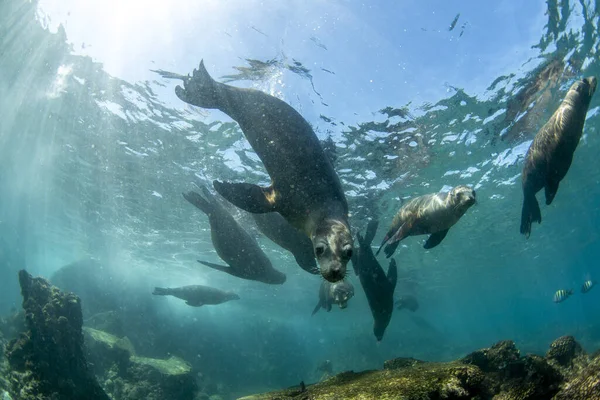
(592,83)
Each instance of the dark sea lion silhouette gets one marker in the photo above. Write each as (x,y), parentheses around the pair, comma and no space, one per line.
(281,232)
(305,188)
(334,293)
(432,214)
(233,244)
(197,295)
(378,287)
(550,155)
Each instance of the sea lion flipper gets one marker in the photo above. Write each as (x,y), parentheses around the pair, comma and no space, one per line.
(194,303)
(200,89)
(371,231)
(530,213)
(390,249)
(317,308)
(551,188)
(248,197)
(218,267)
(435,239)
(198,201)
(158,291)
(392,274)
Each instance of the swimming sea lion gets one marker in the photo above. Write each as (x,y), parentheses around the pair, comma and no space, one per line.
(197,295)
(233,244)
(550,155)
(305,188)
(378,287)
(429,214)
(276,228)
(409,302)
(334,293)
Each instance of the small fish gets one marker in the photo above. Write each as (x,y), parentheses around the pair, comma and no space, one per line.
(587,286)
(454,21)
(562,294)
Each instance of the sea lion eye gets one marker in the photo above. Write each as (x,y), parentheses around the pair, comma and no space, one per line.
(319,250)
(347,251)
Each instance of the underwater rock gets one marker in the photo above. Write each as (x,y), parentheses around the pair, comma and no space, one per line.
(495,358)
(47,360)
(586,385)
(127,376)
(564,351)
(531,378)
(401,362)
(422,381)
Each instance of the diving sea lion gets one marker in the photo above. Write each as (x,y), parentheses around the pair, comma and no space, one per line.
(550,155)
(233,244)
(334,293)
(409,302)
(378,287)
(197,295)
(276,228)
(305,188)
(433,214)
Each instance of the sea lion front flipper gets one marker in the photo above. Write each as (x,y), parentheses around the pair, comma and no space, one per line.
(371,231)
(218,267)
(392,274)
(551,188)
(194,304)
(435,239)
(530,213)
(317,308)
(248,197)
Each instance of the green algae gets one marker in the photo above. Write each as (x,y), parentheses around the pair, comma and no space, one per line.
(109,340)
(170,366)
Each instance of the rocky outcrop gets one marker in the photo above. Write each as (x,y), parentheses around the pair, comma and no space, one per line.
(47,361)
(495,373)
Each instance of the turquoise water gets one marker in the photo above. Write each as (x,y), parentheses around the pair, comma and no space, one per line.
(96,150)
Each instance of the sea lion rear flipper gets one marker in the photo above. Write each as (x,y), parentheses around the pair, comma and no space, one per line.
(530,213)
(248,197)
(371,231)
(200,89)
(392,274)
(435,239)
(198,201)
(551,188)
(317,308)
(158,291)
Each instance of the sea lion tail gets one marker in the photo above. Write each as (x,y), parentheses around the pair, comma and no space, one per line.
(158,291)
(530,213)
(200,89)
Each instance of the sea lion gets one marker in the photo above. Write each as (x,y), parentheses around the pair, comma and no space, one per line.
(433,214)
(334,293)
(233,244)
(409,302)
(305,188)
(276,228)
(197,295)
(551,152)
(378,287)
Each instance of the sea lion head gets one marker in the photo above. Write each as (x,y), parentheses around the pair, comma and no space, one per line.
(332,243)
(461,198)
(341,293)
(232,296)
(585,87)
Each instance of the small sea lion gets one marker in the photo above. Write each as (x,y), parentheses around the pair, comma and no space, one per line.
(233,244)
(281,232)
(409,302)
(378,287)
(197,295)
(305,188)
(334,293)
(433,214)
(551,152)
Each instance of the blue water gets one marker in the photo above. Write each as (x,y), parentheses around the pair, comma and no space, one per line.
(96,150)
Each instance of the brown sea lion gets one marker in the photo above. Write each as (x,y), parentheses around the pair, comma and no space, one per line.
(378,287)
(197,295)
(550,155)
(281,232)
(233,244)
(305,188)
(334,293)
(433,214)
